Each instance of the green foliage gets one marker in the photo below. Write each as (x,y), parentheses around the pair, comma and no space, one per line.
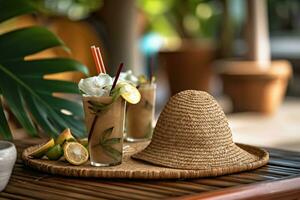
(73,9)
(22,84)
(8,9)
(187,19)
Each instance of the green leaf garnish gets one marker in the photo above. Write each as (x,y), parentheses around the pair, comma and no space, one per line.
(112,152)
(112,141)
(105,135)
(106,143)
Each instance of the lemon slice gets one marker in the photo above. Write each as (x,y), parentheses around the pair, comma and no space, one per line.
(55,152)
(130,93)
(66,135)
(75,153)
(42,150)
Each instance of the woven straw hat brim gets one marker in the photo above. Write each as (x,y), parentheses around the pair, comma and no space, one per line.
(132,168)
(241,157)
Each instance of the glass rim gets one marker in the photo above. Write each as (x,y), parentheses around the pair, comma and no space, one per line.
(5,145)
(94,96)
(147,85)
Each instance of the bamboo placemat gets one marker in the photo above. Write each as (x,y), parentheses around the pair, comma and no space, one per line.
(129,168)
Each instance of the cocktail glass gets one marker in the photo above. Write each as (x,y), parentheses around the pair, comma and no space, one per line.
(140,117)
(104,118)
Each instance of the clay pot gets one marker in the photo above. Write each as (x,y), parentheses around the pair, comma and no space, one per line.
(252,88)
(188,67)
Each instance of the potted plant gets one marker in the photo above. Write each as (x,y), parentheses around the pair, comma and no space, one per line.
(188,29)
(23,86)
(256,83)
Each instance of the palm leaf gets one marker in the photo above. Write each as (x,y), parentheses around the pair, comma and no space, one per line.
(4,128)
(39,85)
(23,86)
(8,8)
(41,116)
(26,41)
(60,104)
(39,68)
(11,92)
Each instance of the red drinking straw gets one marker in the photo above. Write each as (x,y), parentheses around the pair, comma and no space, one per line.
(101,60)
(117,76)
(96,59)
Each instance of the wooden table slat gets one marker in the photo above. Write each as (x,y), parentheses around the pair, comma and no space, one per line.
(13,196)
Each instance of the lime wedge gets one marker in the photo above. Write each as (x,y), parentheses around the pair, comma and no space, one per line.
(42,150)
(55,152)
(66,135)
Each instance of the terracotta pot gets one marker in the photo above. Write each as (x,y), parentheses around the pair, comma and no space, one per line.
(253,89)
(188,67)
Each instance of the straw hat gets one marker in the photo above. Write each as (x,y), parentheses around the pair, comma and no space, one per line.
(192,133)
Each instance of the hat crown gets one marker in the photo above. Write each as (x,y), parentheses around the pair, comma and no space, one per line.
(194,118)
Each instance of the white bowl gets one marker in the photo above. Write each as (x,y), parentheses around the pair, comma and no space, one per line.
(8,156)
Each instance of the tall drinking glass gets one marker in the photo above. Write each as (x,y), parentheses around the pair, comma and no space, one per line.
(104,118)
(140,117)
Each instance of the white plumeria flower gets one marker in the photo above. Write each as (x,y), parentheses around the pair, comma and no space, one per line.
(97,85)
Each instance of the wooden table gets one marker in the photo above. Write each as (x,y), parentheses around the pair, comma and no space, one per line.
(280,179)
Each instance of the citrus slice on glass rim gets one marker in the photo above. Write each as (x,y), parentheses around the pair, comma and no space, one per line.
(75,153)
(42,150)
(130,93)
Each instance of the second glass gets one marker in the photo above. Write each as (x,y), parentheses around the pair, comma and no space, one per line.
(104,119)
(140,117)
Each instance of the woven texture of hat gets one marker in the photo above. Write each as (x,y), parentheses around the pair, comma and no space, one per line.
(192,132)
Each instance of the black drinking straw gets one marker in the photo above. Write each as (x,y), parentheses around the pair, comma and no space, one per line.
(117,77)
(92,127)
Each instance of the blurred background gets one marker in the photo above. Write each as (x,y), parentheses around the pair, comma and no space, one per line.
(245,53)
